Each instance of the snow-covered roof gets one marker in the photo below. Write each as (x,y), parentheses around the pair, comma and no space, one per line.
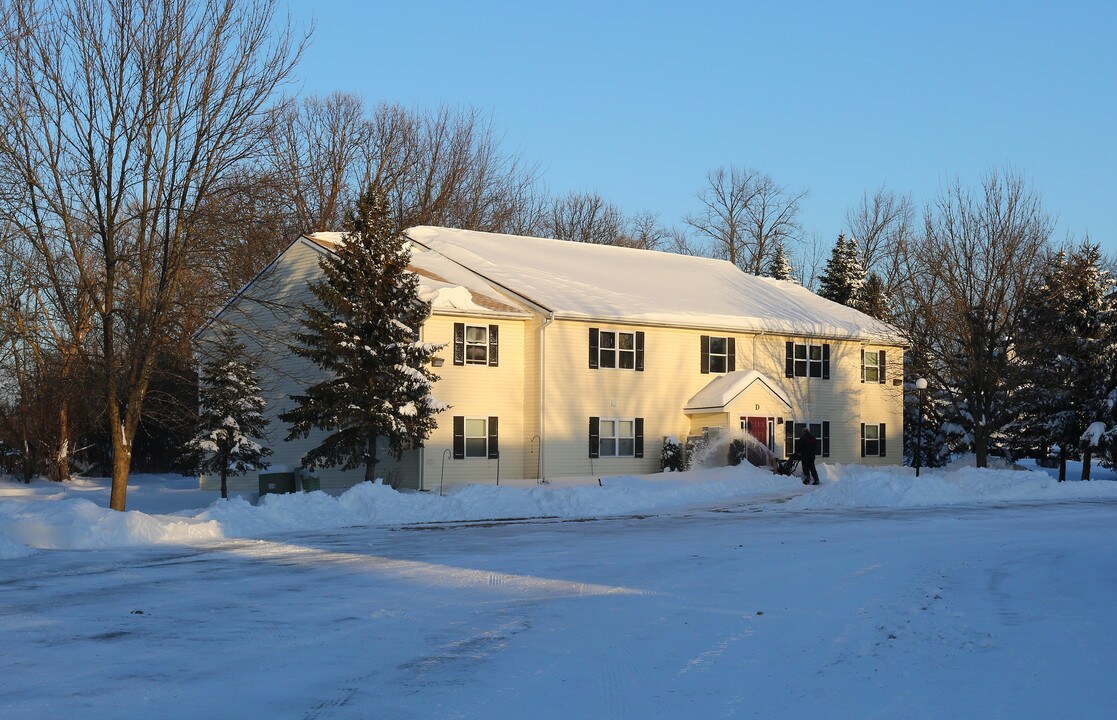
(723,389)
(607,283)
(445,284)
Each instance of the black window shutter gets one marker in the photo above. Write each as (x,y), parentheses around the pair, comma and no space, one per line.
(789,364)
(862,439)
(494,449)
(595,430)
(732,366)
(639,351)
(459,343)
(593,348)
(882,439)
(704,354)
(788,437)
(826,362)
(862,364)
(639,444)
(881,363)
(825,438)
(459,437)
(494,345)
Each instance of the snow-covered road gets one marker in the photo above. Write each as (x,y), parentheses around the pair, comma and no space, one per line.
(748,611)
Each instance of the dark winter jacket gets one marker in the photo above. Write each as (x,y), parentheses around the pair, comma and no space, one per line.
(807,446)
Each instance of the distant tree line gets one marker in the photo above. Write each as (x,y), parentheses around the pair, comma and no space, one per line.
(151,166)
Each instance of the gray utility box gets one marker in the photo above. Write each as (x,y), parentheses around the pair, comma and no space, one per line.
(279,482)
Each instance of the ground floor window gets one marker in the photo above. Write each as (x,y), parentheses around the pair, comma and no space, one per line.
(475,437)
(616,437)
(873,439)
(819,428)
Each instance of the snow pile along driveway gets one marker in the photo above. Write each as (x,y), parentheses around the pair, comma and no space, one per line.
(75,515)
(52,516)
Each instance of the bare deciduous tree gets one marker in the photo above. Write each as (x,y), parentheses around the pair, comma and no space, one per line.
(314,146)
(745,214)
(442,167)
(883,225)
(980,254)
(119,117)
(584,218)
(446,168)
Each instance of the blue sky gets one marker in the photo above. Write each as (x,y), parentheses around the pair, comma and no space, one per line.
(637,100)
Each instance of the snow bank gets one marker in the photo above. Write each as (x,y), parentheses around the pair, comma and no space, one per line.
(369,504)
(75,515)
(49,516)
(855,486)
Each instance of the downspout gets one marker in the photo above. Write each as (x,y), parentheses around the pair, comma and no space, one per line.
(543,391)
(423,447)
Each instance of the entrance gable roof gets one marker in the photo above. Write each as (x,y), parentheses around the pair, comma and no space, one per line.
(720,392)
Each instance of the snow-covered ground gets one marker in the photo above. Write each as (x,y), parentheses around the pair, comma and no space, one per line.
(720,593)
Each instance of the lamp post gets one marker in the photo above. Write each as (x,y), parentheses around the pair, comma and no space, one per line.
(920,385)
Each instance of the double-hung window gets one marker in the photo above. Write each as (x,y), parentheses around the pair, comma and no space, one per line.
(819,428)
(873,439)
(616,349)
(872,366)
(476,344)
(717,354)
(616,437)
(475,437)
(807,360)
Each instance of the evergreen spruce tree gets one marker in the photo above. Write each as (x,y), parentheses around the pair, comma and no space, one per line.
(363,333)
(844,277)
(779,267)
(230,415)
(874,299)
(1067,349)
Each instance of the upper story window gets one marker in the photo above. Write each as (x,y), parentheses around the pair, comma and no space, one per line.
(616,349)
(873,366)
(807,360)
(476,344)
(718,354)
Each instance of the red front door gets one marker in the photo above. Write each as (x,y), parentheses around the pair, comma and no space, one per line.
(758,428)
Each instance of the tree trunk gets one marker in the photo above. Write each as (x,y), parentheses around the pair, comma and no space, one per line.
(1086,464)
(225,476)
(980,448)
(370,466)
(1062,466)
(62,453)
(121,464)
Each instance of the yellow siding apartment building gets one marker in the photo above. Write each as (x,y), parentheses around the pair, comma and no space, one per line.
(568,360)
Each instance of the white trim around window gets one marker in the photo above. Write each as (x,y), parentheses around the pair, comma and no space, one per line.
(476,345)
(476,437)
(617,437)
